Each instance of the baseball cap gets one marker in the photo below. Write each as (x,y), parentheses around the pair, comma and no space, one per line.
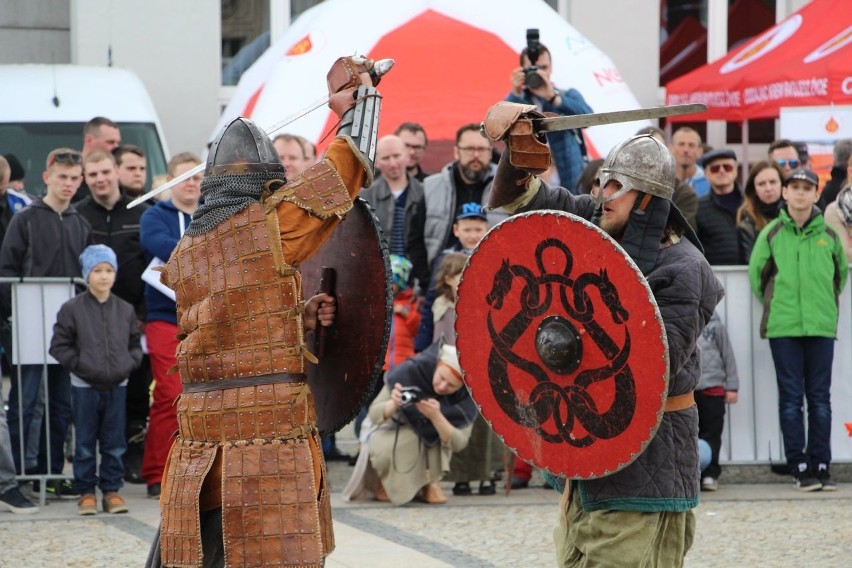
(471,211)
(803,174)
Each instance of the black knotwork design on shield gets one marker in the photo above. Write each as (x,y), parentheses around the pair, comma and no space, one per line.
(559,346)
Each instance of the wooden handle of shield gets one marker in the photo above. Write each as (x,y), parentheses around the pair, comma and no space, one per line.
(328,285)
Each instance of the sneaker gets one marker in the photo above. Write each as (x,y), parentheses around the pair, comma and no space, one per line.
(62,488)
(113,503)
(14,501)
(87,505)
(806,481)
(154,490)
(824,477)
(709,484)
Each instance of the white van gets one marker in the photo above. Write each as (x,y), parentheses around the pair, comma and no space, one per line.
(43,107)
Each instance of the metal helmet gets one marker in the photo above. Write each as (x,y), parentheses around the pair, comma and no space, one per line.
(242,147)
(642,163)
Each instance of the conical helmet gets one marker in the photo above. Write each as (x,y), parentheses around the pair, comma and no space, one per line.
(642,163)
(242,147)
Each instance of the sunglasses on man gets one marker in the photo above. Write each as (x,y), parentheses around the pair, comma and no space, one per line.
(716,168)
(792,163)
(70,158)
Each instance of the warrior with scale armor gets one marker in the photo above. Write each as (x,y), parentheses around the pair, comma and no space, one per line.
(584,383)
(245,483)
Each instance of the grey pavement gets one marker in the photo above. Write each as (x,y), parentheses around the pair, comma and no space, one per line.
(743,524)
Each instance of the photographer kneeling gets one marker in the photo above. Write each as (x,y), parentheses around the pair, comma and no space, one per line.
(531,85)
(421,416)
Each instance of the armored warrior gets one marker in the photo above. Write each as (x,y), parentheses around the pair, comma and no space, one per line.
(641,514)
(245,483)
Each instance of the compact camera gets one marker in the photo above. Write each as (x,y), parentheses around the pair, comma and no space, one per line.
(532,79)
(410,395)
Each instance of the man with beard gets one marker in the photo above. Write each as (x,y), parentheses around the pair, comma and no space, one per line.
(132,169)
(466,180)
(642,514)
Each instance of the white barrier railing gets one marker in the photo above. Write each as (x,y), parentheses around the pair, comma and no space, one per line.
(752,433)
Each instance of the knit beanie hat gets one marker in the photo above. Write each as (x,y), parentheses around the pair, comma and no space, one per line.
(401,270)
(93,255)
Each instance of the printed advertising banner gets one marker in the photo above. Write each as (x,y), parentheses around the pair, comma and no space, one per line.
(804,60)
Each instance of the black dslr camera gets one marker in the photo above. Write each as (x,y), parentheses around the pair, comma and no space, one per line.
(532,79)
(410,395)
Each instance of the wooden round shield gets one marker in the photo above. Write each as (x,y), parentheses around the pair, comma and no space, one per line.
(353,348)
(562,345)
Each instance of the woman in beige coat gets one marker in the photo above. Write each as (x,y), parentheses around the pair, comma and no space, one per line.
(410,448)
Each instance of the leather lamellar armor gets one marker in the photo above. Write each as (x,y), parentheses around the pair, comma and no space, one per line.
(239,317)
(251,445)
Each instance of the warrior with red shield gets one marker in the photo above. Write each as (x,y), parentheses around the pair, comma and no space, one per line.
(591,362)
(245,483)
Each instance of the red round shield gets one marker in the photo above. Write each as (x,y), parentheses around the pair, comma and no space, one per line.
(562,344)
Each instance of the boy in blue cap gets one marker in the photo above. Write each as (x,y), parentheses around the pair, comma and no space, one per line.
(96,338)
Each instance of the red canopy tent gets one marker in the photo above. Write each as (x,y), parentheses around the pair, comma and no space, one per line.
(804,60)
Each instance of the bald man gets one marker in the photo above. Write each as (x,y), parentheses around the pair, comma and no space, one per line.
(394,192)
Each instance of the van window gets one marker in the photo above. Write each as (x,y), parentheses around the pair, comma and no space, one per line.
(31,142)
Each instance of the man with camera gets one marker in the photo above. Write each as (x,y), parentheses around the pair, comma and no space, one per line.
(531,84)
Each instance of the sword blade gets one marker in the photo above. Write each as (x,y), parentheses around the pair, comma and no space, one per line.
(586,120)
(381,67)
(168,185)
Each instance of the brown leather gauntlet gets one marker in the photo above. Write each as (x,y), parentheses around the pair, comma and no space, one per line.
(343,79)
(512,122)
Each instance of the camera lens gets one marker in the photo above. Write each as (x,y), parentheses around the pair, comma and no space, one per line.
(533,79)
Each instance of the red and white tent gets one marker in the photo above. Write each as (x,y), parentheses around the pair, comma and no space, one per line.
(453,61)
(804,60)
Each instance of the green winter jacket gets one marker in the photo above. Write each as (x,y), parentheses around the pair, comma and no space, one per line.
(798,274)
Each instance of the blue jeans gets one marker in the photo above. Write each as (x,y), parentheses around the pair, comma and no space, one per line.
(99,417)
(803,371)
(59,407)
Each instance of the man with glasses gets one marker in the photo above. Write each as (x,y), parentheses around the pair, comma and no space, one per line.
(414,138)
(30,250)
(466,180)
(717,211)
(784,153)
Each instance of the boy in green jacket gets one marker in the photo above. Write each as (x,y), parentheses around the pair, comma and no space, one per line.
(798,269)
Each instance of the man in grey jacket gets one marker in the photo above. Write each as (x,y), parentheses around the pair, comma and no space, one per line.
(466,180)
(642,514)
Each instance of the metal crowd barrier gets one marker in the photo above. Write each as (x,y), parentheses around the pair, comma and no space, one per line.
(752,432)
(35,304)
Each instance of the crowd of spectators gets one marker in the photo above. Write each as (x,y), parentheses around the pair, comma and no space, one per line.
(431,222)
